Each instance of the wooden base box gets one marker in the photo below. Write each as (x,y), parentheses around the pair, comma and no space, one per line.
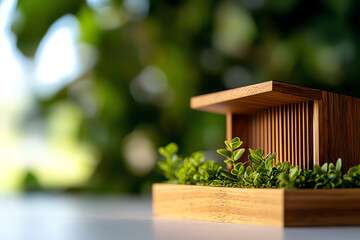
(266,207)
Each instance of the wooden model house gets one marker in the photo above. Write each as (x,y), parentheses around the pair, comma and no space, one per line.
(303,126)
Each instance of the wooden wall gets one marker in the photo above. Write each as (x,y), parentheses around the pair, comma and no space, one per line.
(286,130)
(339,129)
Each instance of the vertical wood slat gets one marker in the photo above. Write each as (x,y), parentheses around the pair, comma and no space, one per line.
(305,159)
(257,131)
(278,133)
(262,130)
(301,146)
(269,130)
(254,130)
(286,130)
(265,133)
(281,144)
(295,136)
(292,134)
(273,142)
(285,150)
(310,135)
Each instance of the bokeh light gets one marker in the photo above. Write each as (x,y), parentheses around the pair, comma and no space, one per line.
(90,89)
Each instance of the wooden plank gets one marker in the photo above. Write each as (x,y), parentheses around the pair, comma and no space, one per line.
(277,147)
(288,133)
(339,129)
(257,130)
(267,207)
(249,99)
(310,136)
(238,126)
(316,132)
(262,130)
(269,130)
(253,118)
(301,135)
(281,144)
(265,131)
(296,130)
(285,133)
(220,204)
(273,130)
(304,146)
(322,207)
(292,135)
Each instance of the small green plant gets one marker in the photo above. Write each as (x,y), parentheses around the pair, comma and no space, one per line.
(352,177)
(193,170)
(259,171)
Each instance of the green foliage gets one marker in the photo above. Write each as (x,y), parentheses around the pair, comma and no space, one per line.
(171,163)
(329,176)
(258,171)
(204,40)
(192,170)
(352,177)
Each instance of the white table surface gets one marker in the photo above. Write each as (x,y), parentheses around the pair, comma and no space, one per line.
(51,217)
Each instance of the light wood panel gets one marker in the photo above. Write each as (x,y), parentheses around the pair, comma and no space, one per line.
(286,130)
(246,206)
(267,207)
(249,99)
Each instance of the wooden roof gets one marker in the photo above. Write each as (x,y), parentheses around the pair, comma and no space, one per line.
(245,100)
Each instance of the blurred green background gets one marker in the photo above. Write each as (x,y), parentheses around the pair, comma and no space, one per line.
(90,89)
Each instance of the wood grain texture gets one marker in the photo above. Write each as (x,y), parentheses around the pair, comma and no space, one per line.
(322,207)
(304,126)
(282,129)
(316,127)
(238,126)
(339,129)
(251,98)
(267,207)
(247,206)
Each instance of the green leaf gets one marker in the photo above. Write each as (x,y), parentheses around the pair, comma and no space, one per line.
(254,160)
(164,166)
(254,155)
(228,175)
(198,156)
(261,170)
(227,144)
(324,168)
(229,161)
(238,165)
(224,152)
(269,164)
(235,143)
(338,165)
(317,169)
(252,152)
(172,148)
(238,153)
(294,172)
(260,152)
(284,177)
(272,156)
(163,152)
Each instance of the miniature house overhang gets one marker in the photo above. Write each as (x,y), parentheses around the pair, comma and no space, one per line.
(302,125)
